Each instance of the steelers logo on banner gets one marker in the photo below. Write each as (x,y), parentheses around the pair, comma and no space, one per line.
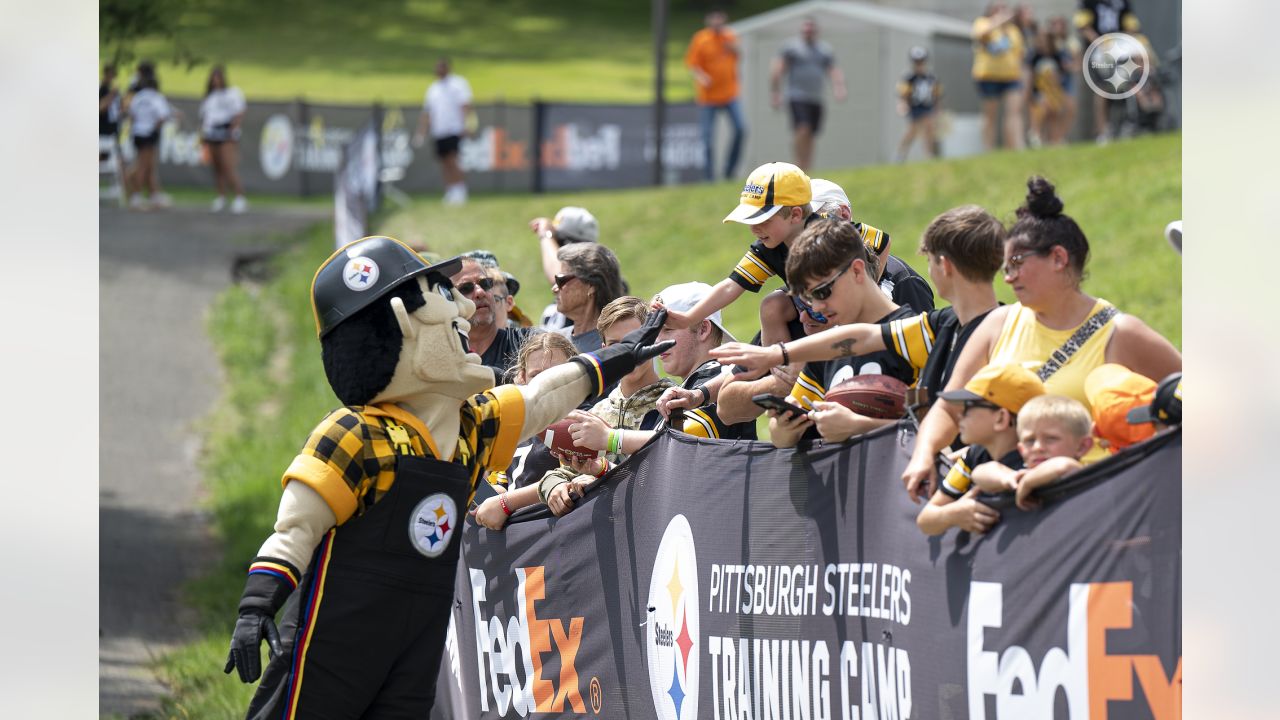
(672,643)
(360,274)
(431,524)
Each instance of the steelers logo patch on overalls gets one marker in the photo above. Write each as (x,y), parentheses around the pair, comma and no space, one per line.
(431,524)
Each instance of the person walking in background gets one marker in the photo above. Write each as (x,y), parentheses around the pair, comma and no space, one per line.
(712,57)
(1093,19)
(147,110)
(447,108)
(108,104)
(1069,52)
(1048,98)
(997,68)
(918,97)
(221,113)
(807,63)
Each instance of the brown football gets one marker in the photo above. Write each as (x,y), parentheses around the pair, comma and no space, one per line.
(875,396)
(558,440)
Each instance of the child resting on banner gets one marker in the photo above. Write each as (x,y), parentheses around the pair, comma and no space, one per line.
(1054,433)
(633,405)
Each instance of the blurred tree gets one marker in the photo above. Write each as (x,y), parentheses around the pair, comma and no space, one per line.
(122,23)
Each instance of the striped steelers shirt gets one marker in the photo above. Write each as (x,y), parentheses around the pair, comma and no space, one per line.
(762,262)
(817,377)
(960,478)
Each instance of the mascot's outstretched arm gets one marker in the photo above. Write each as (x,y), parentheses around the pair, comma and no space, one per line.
(554,392)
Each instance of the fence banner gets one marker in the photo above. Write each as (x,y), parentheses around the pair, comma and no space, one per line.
(612,146)
(355,186)
(718,580)
(295,147)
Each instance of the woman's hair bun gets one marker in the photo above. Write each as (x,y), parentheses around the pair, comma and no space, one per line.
(1042,201)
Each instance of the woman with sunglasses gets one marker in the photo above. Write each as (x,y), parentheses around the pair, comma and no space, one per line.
(1047,329)
(589,279)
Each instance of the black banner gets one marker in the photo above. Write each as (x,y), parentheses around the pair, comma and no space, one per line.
(718,580)
(295,148)
(355,186)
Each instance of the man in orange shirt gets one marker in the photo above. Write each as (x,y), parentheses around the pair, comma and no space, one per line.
(713,59)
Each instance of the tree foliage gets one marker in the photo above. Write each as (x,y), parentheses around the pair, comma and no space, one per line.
(123,23)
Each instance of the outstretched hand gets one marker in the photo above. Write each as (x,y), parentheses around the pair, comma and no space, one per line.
(641,340)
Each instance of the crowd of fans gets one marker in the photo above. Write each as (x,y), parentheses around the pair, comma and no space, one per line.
(1008,397)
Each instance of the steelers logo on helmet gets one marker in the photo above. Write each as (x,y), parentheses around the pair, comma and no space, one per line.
(432,523)
(360,274)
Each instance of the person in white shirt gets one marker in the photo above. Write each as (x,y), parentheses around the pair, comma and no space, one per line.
(221,113)
(447,107)
(147,110)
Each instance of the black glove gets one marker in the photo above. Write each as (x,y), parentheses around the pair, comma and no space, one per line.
(263,595)
(607,365)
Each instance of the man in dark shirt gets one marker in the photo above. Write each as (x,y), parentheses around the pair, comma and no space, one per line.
(491,336)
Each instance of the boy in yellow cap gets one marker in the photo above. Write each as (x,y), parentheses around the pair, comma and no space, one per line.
(992,400)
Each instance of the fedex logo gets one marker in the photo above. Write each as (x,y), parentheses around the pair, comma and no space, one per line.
(1088,675)
(521,647)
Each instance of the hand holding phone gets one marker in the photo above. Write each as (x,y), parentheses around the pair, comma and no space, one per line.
(773,402)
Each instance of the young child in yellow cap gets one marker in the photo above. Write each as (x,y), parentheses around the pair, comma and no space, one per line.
(993,400)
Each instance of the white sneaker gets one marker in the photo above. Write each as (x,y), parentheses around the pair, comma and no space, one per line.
(218,204)
(239,205)
(138,202)
(162,200)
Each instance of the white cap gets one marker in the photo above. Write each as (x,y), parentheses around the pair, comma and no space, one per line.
(575,224)
(825,191)
(684,296)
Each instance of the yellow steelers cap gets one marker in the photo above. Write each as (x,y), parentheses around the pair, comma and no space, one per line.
(770,187)
(1008,386)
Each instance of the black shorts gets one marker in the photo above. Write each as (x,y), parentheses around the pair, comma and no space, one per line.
(146,141)
(448,145)
(806,113)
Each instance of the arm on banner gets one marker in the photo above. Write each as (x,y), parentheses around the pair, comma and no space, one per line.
(942,513)
(1046,473)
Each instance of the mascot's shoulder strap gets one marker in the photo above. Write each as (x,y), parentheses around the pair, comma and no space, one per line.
(407,434)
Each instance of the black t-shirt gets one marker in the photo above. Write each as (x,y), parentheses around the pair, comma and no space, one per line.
(1104,16)
(905,286)
(501,353)
(108,119)
(931,341)
(530,463)
(759,264)
(820,376)
(920,90)
(704,421)
(960,478)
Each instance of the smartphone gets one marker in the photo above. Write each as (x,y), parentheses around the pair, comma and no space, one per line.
(773,402)
(484,491)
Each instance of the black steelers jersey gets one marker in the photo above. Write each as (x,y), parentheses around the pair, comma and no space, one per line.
(960,478)
(820,376)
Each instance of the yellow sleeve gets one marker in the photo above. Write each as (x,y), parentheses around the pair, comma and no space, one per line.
(958,479)
(496,417)
(332,463)
(751,271)
(699,424)
(807,388)
(912,339)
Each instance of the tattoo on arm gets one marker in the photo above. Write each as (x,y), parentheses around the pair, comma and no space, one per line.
(844,346)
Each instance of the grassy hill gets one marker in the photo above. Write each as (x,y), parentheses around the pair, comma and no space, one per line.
(385,49)
(1122,195)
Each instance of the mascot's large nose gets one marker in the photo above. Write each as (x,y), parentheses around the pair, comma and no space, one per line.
(466,308)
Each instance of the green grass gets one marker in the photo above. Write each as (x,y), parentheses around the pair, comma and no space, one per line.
(385,50)
(1122,195)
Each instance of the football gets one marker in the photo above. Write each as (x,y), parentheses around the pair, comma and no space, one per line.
(558,440)
(875,396)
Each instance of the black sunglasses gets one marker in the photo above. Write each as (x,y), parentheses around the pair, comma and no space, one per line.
(823,291)
(465,288)
(562,280)
(971,404)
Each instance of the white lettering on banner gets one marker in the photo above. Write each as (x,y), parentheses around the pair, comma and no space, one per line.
(875,590)
(771,679)
(179,147)
(993,673)
(569,149)
(681,147)
(518,648)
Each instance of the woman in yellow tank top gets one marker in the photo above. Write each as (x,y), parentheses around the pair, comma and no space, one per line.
(1044,262)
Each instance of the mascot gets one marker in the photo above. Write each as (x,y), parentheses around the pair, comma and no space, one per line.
(366,542)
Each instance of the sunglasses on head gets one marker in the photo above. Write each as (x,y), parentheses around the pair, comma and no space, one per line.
(562,280)
(467,287)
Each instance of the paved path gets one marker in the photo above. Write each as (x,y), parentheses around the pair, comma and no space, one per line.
(158,374)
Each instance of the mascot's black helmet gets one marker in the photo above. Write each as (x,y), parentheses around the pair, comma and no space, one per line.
(363,271)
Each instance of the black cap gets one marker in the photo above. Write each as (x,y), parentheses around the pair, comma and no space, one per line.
(1166,404)
(363,271)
